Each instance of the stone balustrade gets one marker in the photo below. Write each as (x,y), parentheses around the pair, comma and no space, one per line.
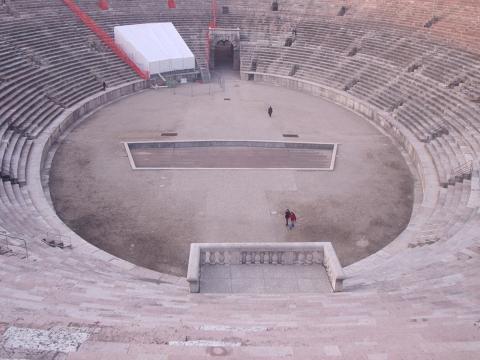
(264,253)
(256,256)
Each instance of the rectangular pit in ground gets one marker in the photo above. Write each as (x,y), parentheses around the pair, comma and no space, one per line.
(231,154)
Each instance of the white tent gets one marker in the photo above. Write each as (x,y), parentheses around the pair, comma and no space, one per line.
(154,47)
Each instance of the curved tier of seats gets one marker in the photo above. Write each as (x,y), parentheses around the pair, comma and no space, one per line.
(424,86)
(421,289)
(191,19)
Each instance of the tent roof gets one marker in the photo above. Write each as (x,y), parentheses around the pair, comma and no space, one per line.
(155,41)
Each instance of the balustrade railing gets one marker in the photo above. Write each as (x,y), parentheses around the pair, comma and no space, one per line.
(300,254)
(270,257)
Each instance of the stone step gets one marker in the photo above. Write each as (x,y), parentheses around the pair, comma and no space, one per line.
(15,159)
(22,163)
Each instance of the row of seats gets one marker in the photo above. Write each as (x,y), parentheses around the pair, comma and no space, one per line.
(456,22)
(46,66)
(422,85)
(191,19)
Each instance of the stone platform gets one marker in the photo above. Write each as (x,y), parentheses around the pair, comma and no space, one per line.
(264,279)
(264,268)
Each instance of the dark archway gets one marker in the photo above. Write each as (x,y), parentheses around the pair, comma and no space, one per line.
(223,55)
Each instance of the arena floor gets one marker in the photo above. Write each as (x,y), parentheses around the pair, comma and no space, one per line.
(150,217)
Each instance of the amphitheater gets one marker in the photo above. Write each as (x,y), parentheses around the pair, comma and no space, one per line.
(410,69)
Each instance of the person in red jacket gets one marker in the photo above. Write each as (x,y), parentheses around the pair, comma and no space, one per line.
(293,219)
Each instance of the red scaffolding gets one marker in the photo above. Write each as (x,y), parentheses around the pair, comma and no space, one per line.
(213,19)
(92,25)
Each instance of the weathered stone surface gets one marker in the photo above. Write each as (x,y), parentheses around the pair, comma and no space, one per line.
(57,339)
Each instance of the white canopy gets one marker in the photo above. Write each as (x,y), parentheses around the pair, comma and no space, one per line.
(155,47)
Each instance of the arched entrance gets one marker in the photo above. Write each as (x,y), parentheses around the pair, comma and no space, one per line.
(223,55)
(224,49)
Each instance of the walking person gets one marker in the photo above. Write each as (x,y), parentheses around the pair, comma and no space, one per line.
(104,84)
(270,111)
(287,216)
(293,219)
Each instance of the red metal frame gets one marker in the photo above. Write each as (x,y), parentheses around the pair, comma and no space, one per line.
(213,20)
(208,50)
(103,4)
(211,25)
(92,25)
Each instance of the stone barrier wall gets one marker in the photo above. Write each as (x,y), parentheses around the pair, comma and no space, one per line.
(300,253)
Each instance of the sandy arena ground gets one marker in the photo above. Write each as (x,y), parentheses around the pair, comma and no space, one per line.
(150,217)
